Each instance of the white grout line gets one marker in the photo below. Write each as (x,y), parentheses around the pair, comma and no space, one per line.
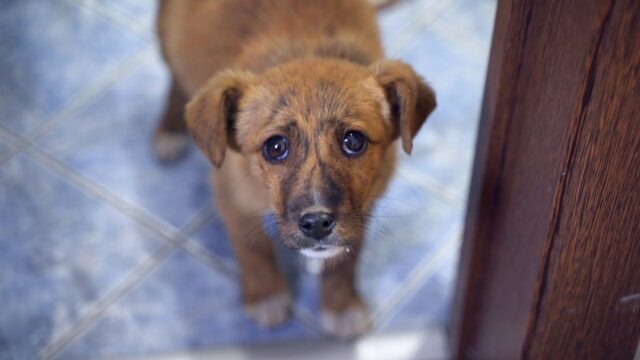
(417,278)
(168,232)
(101,306)
(211,259)
(140,215)
(461,39)
(198,221)
(135,277)
(8,138)
(446,194)
(96,89)
(14,141)
(120,18)
(418,23)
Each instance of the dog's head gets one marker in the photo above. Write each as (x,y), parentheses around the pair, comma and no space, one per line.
(318,133)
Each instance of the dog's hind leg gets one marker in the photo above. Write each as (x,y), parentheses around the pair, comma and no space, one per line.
(171,139)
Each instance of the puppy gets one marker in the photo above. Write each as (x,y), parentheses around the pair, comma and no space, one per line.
(293,103)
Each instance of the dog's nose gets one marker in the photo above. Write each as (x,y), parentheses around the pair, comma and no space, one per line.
(317,224)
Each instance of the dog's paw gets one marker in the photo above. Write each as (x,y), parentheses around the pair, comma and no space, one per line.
(271,311)
(347,324)
(170,146)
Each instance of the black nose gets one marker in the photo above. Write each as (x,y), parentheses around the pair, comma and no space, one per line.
(317,225)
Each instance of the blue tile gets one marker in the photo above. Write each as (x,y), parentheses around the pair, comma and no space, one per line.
(411,225)
(453,59)
(213,238)
(443,149)
(51,52)
(61,251)
(5,146)
(183,305)
(141,11)
(401,19)
(446,171)
(110,142)
(473,19)
(456,75)
(430,305)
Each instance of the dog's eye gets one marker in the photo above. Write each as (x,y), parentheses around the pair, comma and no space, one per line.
(353,143)
(275,149)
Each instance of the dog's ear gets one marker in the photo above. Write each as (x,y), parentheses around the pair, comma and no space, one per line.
(211,113)
(409,97)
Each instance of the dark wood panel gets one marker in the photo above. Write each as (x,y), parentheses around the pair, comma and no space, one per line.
(541,86)
(590,306)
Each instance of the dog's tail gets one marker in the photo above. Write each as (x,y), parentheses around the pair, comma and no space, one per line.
(383,4)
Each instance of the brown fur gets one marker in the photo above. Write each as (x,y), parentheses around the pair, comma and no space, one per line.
(307,70)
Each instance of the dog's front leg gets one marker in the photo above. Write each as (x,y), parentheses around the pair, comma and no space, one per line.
(240,201)
(264,290)
(344,315)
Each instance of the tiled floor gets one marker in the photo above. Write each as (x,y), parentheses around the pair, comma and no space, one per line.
(106,253)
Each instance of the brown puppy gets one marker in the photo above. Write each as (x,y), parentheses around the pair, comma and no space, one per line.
(298,92)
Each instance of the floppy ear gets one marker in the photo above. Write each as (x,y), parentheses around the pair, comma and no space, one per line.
(410,99)
(211,114)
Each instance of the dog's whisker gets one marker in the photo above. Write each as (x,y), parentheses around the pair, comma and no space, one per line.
(399,204)
(390,198)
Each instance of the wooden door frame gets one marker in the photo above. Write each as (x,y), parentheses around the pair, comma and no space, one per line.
(550,260)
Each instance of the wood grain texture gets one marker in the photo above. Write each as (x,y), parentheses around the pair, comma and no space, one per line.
(553,196)
(592,282)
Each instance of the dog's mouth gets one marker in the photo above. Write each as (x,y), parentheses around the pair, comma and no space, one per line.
(322,251)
